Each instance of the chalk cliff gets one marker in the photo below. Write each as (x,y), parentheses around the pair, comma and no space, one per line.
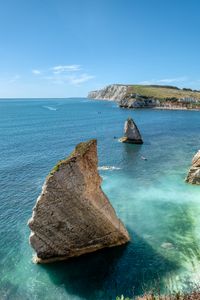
(194,172)
(73,216)
(111,92)
(149,96)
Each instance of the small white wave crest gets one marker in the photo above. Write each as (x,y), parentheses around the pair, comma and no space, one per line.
(108,168)
(50,108)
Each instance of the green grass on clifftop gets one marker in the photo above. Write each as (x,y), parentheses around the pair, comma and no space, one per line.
(162,92)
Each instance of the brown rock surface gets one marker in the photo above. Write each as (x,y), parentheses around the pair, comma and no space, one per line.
(73,216)
(131,133)
(194,172)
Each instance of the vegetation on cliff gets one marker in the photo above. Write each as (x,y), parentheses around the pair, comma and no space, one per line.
(72,215)
(163,92)
(140,96)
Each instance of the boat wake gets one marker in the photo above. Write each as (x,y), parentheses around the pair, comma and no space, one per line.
(50,108)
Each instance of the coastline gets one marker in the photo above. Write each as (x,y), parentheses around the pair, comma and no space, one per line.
(176,108)
(161,108)
(149,96)
(155,108)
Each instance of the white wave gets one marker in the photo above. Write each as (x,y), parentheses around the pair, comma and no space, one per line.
(108,168)
(50,107)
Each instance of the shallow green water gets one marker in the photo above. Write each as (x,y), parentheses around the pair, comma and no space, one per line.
(159,209)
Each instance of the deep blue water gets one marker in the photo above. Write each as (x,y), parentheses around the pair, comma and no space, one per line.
(161,211)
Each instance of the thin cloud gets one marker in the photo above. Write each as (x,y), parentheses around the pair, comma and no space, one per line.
(14,79)
(66,68)
(82,78)
(171,80)
(146,82)
(65,74)
(165,81)
(72,80)
(36,72)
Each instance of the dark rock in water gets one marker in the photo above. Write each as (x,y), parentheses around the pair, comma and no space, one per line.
(131,133)
(138,101)
(73,216)
(143,158)
(194,172)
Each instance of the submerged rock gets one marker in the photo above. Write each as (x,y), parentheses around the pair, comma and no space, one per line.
(194,172)
(73,216)
(131,133)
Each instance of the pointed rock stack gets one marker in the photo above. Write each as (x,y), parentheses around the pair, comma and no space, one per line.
(131,133)
(73,216)
(194,172)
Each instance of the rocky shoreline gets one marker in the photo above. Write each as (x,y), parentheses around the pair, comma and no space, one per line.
(194,172)
(155,97)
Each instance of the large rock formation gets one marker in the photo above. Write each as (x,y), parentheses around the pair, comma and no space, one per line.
(149,96)
(115,92)
(194,172)
(139,101)
(73,216)
(131,133)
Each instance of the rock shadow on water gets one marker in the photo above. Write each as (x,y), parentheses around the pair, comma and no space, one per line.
(131,152)
(110,272)
(8,290)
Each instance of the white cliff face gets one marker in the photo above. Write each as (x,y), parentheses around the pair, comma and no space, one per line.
(111,92)
(127,98)
(194,172)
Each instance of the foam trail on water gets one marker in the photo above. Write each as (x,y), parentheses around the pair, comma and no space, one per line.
(50,108)
(108,168)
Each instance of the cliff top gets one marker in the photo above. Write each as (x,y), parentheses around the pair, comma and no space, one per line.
(79,150)
(163,92)
(160,92)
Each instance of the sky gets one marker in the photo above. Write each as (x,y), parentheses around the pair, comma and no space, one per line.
(66,48)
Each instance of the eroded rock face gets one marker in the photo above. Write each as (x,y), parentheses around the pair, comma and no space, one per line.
(138,101)
(194,172)
(131,133)
(73,216)
(114,92)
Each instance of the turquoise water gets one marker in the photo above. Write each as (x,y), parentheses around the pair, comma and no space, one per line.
(159,209)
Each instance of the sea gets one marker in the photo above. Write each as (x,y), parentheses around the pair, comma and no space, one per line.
(159,209)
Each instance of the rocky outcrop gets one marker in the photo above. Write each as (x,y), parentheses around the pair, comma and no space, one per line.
(115,92)
(73,216)
(149,96)
(194,172)
(138,101)
(131,133)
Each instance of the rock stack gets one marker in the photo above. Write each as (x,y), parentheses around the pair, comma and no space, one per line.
(194,172)
(73,216)
(131,133)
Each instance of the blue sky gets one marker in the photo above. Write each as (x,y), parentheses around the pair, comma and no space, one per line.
(64,48)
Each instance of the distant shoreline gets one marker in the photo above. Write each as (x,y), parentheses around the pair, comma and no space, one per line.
(149,96)
(176,108)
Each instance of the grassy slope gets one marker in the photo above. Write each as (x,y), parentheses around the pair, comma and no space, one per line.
(162,93)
